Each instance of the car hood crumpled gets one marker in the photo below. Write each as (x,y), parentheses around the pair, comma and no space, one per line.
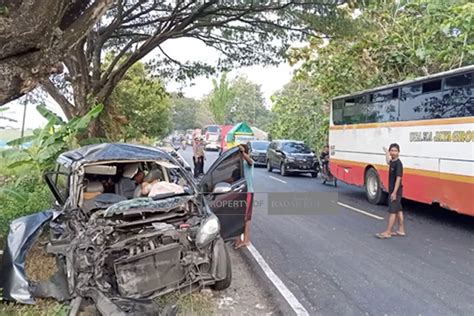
(145,205)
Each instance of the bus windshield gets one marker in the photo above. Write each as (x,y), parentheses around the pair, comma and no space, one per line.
(212,129)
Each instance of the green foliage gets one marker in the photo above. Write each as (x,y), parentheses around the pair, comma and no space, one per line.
(144,103)
(203,115)
(48,142)
(26,196)
(247,104)
(387,43)
(184,112)
(299,114)
(220,98)
(239,100)
(391,43)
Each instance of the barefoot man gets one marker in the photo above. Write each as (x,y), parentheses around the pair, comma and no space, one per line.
(395,190)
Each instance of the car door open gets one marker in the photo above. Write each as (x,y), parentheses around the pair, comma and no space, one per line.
(225,192)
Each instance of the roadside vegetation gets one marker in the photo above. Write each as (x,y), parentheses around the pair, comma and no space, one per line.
(386,43)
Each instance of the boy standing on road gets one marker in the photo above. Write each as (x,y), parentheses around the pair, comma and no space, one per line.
(395,190)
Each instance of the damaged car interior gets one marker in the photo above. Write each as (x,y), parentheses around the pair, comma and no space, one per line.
(129,225)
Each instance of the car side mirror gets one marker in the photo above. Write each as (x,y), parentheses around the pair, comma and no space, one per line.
(222,187)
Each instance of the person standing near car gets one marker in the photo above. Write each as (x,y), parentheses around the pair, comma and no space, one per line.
(198,157)
(395,190)
(248,174)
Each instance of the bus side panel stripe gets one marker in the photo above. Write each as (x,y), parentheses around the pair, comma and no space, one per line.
(457,195)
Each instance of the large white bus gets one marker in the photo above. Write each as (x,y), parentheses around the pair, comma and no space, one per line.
(431,118)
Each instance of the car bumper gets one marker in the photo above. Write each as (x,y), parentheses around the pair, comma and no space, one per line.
(302,168)
(259,160)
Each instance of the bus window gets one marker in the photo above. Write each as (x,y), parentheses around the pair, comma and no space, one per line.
(458,81)
(337,108)
(355,110)
(431,86)
(384,106)
(458,97)
(421,101)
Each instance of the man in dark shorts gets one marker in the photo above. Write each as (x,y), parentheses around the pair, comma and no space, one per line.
(395,191)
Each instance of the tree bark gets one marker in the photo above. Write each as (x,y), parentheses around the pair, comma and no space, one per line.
(35,36)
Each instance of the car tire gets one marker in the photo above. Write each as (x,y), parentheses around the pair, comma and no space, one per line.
(373,187)
(269,166)
(283,172)
(314,174)
(224,284)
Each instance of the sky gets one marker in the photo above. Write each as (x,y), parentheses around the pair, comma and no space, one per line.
(270,78)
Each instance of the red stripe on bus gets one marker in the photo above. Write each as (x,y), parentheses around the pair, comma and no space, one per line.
(451,194)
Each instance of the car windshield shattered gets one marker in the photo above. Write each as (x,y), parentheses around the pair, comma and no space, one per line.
(131,226)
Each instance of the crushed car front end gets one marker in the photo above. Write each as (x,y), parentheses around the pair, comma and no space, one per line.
(143,248)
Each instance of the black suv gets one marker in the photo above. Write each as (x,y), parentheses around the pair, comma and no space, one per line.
(291,156)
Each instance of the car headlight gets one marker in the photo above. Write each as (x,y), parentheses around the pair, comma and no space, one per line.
(290,159)
(208,231)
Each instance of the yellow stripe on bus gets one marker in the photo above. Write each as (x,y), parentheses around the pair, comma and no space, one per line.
(445,121)
(418,172)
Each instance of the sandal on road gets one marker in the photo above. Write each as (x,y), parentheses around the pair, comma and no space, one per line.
(400,234)
(383,236)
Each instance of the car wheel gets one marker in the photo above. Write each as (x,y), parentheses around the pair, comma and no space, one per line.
(314,174)
(224,284)
(283,172)
(373,187)
(269,166)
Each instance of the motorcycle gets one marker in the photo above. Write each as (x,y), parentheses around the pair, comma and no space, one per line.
(326,175)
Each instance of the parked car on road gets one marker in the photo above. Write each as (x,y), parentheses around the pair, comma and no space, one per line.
(291,156)
(122,250)
(258,151)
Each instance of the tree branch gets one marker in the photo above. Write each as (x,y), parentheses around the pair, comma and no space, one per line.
(54,92)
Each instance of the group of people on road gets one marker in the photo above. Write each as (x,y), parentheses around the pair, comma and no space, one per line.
(395,186)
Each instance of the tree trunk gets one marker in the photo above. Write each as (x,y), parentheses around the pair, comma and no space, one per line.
(35,35)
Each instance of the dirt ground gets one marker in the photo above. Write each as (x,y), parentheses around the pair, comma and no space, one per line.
(244,297)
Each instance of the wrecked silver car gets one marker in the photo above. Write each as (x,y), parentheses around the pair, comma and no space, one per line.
(131,224)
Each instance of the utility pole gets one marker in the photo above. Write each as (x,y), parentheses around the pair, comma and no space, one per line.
(23,122)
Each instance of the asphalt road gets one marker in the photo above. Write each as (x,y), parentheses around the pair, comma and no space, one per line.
(334,265)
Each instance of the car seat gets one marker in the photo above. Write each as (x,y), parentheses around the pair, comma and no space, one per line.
(125,187)
(91,191)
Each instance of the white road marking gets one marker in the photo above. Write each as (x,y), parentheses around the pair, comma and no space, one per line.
(274,178)
(360,211)
(278,283)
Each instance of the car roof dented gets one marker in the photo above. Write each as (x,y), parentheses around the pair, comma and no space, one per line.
(111,151)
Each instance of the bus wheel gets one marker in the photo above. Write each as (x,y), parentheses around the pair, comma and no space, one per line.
(373,187)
